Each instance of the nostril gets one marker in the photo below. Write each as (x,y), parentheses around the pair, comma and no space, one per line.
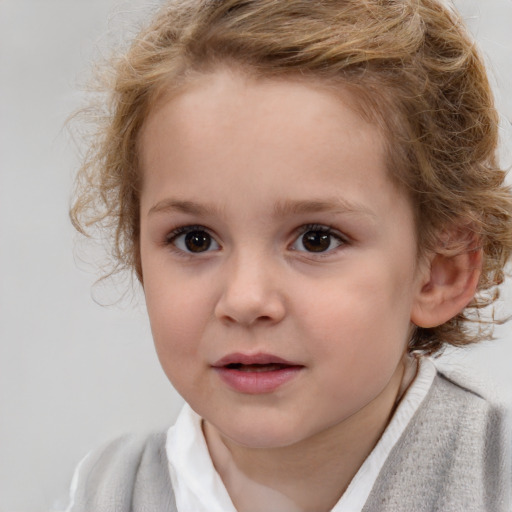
(257,305)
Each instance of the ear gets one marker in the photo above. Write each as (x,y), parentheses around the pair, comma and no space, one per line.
(448,286)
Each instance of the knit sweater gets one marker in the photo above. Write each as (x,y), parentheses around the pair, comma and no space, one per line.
(454,456)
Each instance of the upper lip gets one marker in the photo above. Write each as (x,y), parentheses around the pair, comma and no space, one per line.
(247,359)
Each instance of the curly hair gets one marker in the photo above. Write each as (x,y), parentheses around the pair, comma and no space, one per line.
(415,71)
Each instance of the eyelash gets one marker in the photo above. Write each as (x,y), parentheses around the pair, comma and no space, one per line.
(171,238)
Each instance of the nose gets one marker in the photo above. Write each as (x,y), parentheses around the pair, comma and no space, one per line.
(251,293)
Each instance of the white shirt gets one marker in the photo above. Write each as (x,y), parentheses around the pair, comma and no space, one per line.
(199,488)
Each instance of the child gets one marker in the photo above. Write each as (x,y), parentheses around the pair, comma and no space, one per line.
(308,194)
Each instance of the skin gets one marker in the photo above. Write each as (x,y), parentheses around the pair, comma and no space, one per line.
(252,162)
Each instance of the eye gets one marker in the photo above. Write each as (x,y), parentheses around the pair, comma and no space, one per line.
(317,239)
(192,239)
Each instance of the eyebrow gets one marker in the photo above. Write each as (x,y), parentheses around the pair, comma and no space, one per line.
(191,207)
(281,209)
(332,205)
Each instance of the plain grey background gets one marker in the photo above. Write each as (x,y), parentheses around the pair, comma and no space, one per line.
(72,373)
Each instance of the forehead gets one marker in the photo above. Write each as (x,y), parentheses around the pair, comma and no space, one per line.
(256,107)
(280,134)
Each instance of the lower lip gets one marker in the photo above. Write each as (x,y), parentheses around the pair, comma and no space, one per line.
(256,383)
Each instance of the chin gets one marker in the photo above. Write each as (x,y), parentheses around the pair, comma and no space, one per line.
(262,440)
(267,435)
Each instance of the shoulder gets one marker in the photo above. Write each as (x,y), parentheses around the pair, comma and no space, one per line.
(454,455)
(455,392)
(469,382)
(466,414)
(127,474)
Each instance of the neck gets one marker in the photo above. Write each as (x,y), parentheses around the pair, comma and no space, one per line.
(311,474)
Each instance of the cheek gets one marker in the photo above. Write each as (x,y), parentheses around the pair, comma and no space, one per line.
(176,336)
(358,313)
(177,314)
(357,340)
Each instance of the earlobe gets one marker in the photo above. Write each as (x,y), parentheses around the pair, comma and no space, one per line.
(449,286)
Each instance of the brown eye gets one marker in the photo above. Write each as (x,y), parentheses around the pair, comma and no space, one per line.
(198,241)
(316,241)
(190,239)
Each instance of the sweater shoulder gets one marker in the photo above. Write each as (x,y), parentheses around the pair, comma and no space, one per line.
(127,474)
(454,455)
(463,380)
(455,389)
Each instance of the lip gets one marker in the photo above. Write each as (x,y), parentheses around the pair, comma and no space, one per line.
(234,370)
(248,359)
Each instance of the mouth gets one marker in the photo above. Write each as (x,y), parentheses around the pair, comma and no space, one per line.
(256,374)
(257,368)
(254,362)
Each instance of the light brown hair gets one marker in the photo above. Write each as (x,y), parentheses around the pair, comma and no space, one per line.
(415,71)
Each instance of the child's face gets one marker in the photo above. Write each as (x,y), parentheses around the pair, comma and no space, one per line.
(271,234)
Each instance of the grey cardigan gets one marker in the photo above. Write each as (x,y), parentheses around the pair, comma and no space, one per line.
(454,456)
